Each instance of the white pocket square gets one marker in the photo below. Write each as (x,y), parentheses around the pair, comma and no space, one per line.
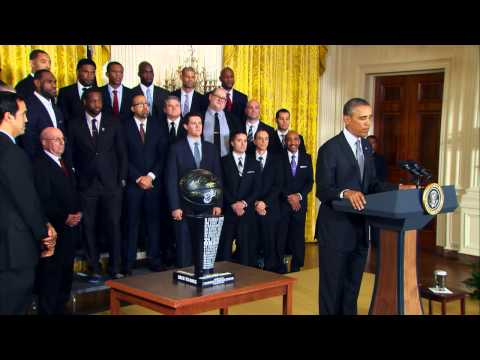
(251,172)
(303,166)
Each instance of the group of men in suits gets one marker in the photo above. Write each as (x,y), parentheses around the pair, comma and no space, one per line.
(128,148)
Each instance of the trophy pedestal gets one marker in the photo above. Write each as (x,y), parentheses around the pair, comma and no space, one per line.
(205,280)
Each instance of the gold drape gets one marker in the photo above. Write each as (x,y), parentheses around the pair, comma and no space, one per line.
(15,63)
(283,76)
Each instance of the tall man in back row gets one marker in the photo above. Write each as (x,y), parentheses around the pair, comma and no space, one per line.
(345,169)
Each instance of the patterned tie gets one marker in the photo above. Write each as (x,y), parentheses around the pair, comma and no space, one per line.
(171,135)
(185,105)
(150,100)
(64,168)
(216,134)
(360,157)
(142,133)
(240,167)
(250,134)
(293,165)
(228,105)
(283,141)
(196,154)
(260,159)
(94,131)
(116,108)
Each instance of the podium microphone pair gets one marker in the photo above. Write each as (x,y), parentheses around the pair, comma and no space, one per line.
(417,170)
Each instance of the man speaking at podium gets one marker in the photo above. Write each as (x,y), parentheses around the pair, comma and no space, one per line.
(345,169)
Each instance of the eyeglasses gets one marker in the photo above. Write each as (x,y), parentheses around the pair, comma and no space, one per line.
(220,98)
(58,140)
(140,104)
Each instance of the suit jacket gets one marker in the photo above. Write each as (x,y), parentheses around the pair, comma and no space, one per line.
(57,191)
(145,157)
(181,132)
(107,161)
(70,103)
(301,183)
(236,187)
(239,103)
(181,161)
(272,183)
(232,122)
(261,126)
(337,170)
(38,119)
(199,102)
(159,96)
(125,105)
(25,87)
(275,145)
(22,220)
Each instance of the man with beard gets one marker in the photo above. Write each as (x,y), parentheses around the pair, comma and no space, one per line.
(117,98)
(42,111)
(39,60)
(190,100)
(70,97)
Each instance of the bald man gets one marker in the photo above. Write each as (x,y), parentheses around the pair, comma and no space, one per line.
(298,182)
(252,124)
(56,187)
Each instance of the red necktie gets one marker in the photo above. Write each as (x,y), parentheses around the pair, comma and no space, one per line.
(228,106)
(142,133)
(64,168)
(115,103)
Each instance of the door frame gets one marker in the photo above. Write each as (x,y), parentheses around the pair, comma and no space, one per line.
(366,75)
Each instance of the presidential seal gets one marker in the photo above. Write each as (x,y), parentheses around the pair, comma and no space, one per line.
(433,199)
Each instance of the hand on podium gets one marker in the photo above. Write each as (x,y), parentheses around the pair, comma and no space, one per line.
(406,187)
(357,199)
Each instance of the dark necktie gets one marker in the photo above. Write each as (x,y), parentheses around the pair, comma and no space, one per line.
(142,133)
(171,134)
(250,134)
(228,105)
(64,168)
(116,108)
(94,131)
(240,167)
(283,141)
(216,134)
(260,160)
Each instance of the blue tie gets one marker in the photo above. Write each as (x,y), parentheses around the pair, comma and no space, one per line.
(196,155)
(149,100)
(293,164)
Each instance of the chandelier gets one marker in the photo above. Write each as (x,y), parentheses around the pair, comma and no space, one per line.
(205,82)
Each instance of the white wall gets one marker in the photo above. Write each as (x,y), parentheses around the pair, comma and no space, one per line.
(350,72)
(163,58)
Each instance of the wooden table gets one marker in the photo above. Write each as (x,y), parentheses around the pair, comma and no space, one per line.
(443,298)
(159,292)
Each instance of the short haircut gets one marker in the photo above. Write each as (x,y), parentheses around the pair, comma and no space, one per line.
(227,68)
(87,92)
(259,131)
(113,63)
(83,62)
(9,103)
(34,53)
(235,134)
(38,74)
(142,64)
(353,103)
(172,97)
(277,114)
(189,115)
(188,68)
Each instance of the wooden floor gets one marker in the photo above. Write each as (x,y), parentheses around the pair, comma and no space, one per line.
(306,289)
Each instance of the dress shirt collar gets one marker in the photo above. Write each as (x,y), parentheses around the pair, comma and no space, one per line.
(191,141)
(254,123)
(144,88)
(53,157)
(212,112)
(282,132)
(90,117)
(237,156)
(290,154)
(264,155)
(183,92)
(141,121)
(10,136)
(43,99)
(351,139)
(80,88)
(119,89)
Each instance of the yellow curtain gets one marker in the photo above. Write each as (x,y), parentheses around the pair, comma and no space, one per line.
(15,63)
(283,76)
(101,56)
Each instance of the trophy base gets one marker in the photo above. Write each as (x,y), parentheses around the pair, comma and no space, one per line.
(203,281)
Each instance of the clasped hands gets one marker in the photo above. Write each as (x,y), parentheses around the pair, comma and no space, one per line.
(239,207)
(294,201)
(73,219)
(177,214)
(48,243)
(261,208)
(145,182)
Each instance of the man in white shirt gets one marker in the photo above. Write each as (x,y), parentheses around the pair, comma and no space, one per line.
(173,120)
(42,111)
(39,60)
(253,124)
(278,142)
(190,100)
(117,98)
(236,100)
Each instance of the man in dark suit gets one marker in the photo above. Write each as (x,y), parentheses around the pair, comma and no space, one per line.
(190,99)
(218,125)
(241,186)
(146,150)
(39,60)
(70,97)
(155,95)
(236,100)
(298,181)
(172,120)
(42,111)
(100,162)
(185,155)
(345,169)
(252,124)
(25,234)
(117,98)
(278,142)
(56,187)
(267,207)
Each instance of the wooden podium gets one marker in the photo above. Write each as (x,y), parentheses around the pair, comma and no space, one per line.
(398,215)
